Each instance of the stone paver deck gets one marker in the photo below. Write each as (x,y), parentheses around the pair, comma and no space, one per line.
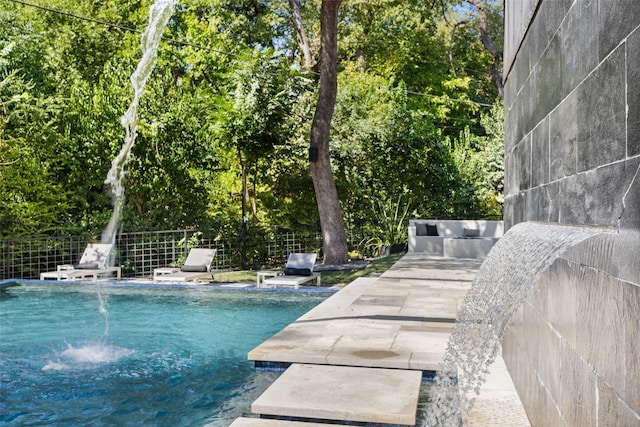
(369,402)
(400,320)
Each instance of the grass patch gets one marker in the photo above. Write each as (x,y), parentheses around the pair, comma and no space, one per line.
(375,267)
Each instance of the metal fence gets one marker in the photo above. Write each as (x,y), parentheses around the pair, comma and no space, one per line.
(139,253)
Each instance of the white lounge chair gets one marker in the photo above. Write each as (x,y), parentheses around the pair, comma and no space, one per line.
(195,267)
(298,270)
(93,264)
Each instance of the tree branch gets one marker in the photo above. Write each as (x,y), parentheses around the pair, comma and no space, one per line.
(9,163)
(303,42)
(490,46)
(453,34)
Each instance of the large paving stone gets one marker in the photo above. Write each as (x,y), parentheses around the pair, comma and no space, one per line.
(343,393)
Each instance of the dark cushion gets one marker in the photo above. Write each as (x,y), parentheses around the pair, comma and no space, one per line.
(297,271)
(421,229)
(194,268)
(87,266)
(470,232)
(432,230)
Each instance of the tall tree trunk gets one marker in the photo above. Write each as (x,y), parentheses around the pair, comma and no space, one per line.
(490,46)
(331,222)
(303,42)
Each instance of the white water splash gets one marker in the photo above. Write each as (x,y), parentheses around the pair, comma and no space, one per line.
(159,15)
(92,354)
(503,283)
(87,356)
(103,310)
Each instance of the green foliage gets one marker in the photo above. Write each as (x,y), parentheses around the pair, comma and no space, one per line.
(31,197)
(406,139)
(388,228)
(480,162)
(256,115)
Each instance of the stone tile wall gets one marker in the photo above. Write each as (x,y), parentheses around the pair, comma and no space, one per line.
(572,156)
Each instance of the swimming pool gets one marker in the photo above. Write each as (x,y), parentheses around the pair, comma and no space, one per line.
(102,355)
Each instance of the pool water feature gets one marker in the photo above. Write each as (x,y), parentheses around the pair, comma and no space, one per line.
(159,15)
(174,357)
(503,283)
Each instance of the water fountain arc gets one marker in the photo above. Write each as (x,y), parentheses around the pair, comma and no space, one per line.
(503,283)
(159,15)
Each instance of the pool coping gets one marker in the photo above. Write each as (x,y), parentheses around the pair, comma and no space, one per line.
(380,323)
(133,283)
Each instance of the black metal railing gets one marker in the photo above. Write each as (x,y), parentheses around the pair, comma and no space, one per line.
(140,252)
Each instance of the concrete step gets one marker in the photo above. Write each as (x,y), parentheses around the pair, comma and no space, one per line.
(343,393)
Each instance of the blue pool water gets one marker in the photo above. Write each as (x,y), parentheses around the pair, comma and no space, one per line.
(100,355)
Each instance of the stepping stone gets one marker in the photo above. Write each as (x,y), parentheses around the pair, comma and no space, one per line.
(343,393)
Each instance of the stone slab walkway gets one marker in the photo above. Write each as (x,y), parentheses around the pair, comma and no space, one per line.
(400,320)
(369,402)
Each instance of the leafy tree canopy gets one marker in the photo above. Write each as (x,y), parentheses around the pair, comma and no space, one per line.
(413,133)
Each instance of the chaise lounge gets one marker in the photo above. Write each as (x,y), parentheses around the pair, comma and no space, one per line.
(93,264)
(196,267)
(297,271)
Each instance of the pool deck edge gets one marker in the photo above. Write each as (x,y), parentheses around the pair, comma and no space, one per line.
(399,321)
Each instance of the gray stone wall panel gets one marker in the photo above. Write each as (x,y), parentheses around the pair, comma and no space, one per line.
(563,133)
(554,196)
(549,78)
(562,297)
(510,181)
(633,94)
(510,133)
(627,252)
(540,154)
(539,201)
(508,211)
(549,360)
(578,401)
(602,114)
(578,39)
(632,341)
(598,251)
(604,192)
(600,325)
(523,155)
(583,86)
(573,200)
(517,206)
(517,18)
(613,411)
(629,177)
(541,31)
(617,19)
(529,99)
(519,74)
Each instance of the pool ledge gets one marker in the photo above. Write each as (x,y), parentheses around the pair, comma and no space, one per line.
(399,321)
